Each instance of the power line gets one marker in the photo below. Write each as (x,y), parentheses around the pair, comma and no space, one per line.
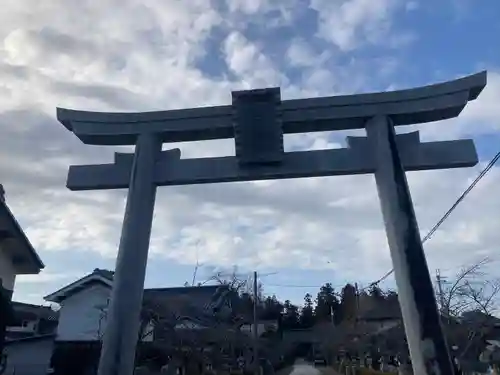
(427,237)
(268,274)
(293,286)
(448,213)
(301,286)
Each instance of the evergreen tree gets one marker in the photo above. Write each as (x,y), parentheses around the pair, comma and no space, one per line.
(307,312)
(271,308)
(290,315)
(327,304)
(348,303)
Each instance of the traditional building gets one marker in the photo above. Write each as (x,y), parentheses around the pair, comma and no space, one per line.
(17,257)
(171,317)
(31,320)
(29,339)
(382,316)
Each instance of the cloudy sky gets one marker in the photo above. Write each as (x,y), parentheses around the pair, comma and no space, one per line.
(131,55)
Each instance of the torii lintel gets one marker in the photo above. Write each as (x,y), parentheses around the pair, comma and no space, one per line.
(404,107)
(171,170)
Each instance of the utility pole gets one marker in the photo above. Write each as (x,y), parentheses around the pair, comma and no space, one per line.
(356,314)
(195,271)
(197,263)
(255,327)
(439,281)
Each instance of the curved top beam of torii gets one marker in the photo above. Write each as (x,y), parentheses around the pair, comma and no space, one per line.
(412,106)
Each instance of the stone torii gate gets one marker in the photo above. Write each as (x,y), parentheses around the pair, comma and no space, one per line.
(257,120)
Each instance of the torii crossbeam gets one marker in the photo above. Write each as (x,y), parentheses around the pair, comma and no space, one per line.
(257,120)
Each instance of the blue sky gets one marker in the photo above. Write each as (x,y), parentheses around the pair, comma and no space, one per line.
(129,56)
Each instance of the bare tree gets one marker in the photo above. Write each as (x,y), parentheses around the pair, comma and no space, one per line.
(240,286)
(156,318)
(190,340)
(482,295)
(151,318)
(473,292)
(452,299)
(238,282)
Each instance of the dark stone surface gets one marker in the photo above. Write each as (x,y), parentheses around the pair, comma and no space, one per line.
(123,323)
(418,272)
(344,161)
(258,132)
(427,344)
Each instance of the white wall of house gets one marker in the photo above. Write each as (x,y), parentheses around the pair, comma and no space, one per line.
(7,271)
(29,357)
(81,316)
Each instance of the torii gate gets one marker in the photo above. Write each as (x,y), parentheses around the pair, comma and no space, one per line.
(257,120)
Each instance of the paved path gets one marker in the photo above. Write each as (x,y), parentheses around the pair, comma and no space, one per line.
(301,367)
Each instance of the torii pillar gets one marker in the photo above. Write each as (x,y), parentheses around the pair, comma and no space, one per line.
(257,120)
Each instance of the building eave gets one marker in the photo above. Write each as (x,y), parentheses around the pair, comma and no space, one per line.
(63,293)
(24,256)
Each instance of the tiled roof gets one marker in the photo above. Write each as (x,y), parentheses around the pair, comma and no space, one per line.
(194,302)
(44,312)
(100,276)
(480,317)
(386,310)
(189,301)
(107,274)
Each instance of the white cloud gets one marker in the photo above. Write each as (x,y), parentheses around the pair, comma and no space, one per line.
(249,64)
(479,117)
(349,23)
(265,13)
(127,55)
(44,277)
(484,113)
(246,6)
(301,54)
